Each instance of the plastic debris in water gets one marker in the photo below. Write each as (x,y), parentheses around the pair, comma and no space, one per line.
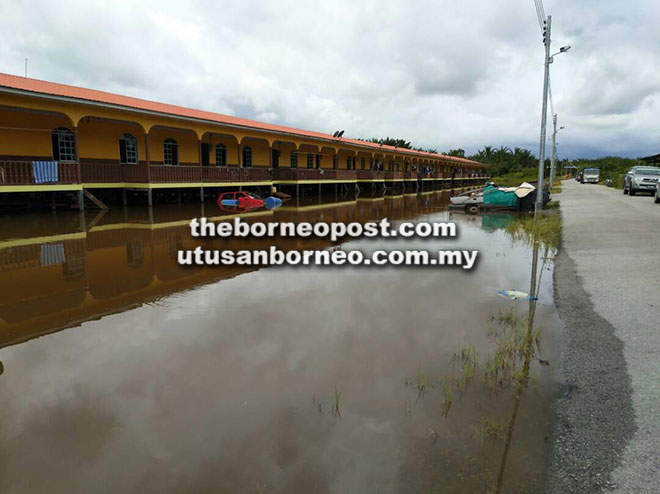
(272,202)
(516,295)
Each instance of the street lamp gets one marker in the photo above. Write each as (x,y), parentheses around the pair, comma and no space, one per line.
(538,206)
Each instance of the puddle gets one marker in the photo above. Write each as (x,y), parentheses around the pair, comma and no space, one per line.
(124,372)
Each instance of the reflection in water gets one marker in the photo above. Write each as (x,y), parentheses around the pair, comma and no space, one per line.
(527,350)
(203,379)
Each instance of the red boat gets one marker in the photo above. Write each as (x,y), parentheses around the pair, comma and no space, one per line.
(241,199)
(246,201)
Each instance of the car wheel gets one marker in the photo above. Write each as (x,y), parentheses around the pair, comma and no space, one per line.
(656,199)
(472,209)
(632,191)
(625,191)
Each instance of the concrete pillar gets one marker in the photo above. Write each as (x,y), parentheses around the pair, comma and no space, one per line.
(81,201)
(150,201)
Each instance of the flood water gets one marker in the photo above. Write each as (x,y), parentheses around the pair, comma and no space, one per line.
(124,372)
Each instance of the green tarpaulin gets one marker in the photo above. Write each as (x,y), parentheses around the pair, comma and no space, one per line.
(496,197)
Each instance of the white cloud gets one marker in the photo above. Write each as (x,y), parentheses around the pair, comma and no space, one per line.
(441,74)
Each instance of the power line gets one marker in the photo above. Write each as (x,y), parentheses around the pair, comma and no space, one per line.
(540,13)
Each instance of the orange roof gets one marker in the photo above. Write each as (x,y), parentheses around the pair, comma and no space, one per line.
(92,95)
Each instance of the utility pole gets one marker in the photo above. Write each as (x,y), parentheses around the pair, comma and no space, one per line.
(538,206)
(554,150)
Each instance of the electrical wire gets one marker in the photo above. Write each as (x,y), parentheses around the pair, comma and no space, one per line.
(540,13)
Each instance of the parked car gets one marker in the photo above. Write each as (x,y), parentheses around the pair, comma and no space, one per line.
(656,197)
(641,179)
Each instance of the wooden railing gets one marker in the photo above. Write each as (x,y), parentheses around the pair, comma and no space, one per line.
(393,175)
(175,174)
(101,172)
(22,173)
(370,175)
(314,174)
(135,173)
(299,174)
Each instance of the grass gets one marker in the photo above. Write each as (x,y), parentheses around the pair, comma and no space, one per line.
(545,228)
(421,383)
(489,428)
(335,403)
(513,179)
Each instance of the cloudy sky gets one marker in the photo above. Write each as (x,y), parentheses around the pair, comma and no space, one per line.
(441,73)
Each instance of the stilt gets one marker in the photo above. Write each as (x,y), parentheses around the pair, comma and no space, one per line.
(83,223)
(81,201)
(52,201)
(124,197)
(201,195)
(178,196)
(297,190)
(150,201)
(151,215)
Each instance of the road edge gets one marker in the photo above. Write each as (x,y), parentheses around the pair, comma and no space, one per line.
(594,415)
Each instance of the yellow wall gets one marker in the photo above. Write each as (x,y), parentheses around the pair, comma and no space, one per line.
(343,155)
(32,143)
(260,151)
(100,140)
(187,141)
(230,143)
(285,149)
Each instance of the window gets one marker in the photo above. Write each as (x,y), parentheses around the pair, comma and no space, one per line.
(362,163)
(170,152)
(294,159)
(310,160)
(335,162)
(128,152)
(247,156)
(220,155)
(64,144)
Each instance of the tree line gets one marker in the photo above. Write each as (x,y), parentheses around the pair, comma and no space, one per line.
(505,160)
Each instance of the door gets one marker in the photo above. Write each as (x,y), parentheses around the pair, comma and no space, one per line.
(205,150)
(276,158)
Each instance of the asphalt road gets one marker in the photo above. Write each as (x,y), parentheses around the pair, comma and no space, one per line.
(607,288)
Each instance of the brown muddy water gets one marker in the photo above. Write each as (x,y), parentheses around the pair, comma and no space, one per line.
(123,372)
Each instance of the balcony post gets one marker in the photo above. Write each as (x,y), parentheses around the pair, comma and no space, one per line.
(201,172)
(146,155)
(75,150)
